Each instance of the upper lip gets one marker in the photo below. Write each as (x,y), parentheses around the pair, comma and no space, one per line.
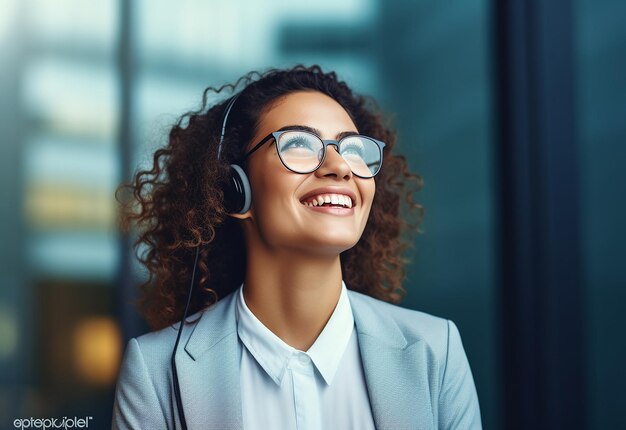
(330,190)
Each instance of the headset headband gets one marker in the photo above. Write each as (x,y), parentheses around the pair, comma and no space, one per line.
(226,113)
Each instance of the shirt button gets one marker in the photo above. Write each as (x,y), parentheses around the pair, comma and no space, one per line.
(304,359)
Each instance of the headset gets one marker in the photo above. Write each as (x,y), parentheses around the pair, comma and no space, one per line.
(237,194)
(237,199)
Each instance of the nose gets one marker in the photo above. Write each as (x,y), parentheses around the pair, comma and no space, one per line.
(334,165)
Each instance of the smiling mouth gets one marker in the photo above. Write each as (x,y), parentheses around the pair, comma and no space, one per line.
(329,200)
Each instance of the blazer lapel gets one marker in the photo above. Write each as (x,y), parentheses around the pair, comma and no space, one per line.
(208,369)
(396,370)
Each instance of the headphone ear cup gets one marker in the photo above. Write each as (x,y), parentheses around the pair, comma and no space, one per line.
(237,195)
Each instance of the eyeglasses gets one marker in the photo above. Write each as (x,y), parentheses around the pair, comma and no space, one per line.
(304,152)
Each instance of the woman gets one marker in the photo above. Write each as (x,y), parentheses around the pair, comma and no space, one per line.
(280,201)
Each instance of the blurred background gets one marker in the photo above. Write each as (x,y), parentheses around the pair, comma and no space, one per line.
(513,112)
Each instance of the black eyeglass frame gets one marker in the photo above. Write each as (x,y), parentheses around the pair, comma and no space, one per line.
(325,142)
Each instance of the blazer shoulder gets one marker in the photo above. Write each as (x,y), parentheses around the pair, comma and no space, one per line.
(155,341)
(413,324)
(143,392)
(433,352)
(156,347)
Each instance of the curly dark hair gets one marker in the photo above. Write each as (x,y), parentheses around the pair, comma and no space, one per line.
(178,204)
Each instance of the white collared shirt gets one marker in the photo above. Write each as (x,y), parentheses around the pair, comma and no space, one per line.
(283,388)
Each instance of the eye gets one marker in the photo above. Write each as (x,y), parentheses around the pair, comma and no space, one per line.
(298,142)
(352,146)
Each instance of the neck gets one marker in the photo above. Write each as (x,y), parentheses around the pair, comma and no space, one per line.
(293,295)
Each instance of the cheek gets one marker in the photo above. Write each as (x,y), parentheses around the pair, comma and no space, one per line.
(272,193)
(367,194)
(264,178)
(368,191)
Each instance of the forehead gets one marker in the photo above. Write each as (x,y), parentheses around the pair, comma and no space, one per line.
(309,108)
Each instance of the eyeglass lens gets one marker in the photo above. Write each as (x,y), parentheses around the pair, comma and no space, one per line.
(303,152)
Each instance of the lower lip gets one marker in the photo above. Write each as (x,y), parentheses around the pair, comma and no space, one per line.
(332,210)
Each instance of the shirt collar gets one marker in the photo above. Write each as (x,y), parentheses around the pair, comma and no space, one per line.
(273,354)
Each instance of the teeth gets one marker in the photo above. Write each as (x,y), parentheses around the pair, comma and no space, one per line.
(333,199)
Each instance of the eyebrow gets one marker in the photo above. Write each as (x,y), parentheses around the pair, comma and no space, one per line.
(316,131)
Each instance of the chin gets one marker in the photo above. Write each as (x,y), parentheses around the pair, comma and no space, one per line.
(333,245)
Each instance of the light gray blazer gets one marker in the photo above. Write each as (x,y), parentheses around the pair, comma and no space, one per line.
(415,368)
